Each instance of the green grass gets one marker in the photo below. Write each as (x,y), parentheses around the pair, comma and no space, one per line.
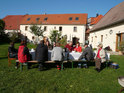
(53,81)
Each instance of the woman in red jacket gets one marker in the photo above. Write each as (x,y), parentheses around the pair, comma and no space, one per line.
(23,53)
(78,48)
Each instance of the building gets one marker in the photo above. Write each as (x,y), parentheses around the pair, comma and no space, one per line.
(12,23)
(72,25)
(92,21)
(110,29)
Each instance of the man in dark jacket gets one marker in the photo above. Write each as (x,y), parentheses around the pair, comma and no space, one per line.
(41,54)
(12,51)
(87,53)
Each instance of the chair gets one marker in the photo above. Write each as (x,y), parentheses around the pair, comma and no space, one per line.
(10,59)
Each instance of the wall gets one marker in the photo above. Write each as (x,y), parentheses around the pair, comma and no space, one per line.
(66,30)
(109,36)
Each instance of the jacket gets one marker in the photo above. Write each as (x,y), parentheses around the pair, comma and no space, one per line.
(87,54)
(57,54)
(41,53)
(22,55)
(78,49)
(102,55)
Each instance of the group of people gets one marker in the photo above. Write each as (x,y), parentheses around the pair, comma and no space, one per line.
(88,53)
(57,54)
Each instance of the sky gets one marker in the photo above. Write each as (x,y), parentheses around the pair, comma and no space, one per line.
(22,7)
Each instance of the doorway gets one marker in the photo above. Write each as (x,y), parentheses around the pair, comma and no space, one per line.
(119,40)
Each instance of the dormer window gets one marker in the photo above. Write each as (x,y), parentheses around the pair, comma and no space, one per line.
(77,18)
(45,19)
(37,19)
(28,19)
(70,18)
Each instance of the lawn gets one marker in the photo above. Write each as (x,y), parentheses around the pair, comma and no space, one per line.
(53,81)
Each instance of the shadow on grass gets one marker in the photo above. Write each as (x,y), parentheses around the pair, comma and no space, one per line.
(4,57)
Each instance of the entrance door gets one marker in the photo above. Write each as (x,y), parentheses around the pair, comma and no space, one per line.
(75,40)
(119,39)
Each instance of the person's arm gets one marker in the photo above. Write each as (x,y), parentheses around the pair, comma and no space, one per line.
(83,54)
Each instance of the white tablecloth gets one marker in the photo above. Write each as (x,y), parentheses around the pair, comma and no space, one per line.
(74,55)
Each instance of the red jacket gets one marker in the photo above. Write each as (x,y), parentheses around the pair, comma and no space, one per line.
(21,56)
(78,49)
(70,48)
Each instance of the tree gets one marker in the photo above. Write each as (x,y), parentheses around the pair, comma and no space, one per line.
(13,36)
(55,36)
(2,26)
(63,41)
(36,30)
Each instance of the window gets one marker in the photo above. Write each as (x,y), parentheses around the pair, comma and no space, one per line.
(77,18)
(60,28)
(45,19)
(101,38)
(75,29)
(28,19)
(54,27)
(37,19)
(92,39)
(70,18)
(26,28)
(45,28)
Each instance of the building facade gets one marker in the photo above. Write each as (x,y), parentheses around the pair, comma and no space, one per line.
(71,25)
(110,29)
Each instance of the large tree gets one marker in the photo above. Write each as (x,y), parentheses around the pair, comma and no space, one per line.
(2,26)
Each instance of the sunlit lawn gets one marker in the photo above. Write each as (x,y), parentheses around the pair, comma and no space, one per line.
(53,81)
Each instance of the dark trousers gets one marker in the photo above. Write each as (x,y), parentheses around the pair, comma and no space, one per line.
(98,63)
(40,65)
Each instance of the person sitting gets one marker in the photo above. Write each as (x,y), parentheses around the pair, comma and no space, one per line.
(12,51)
(69,46)
(23,52)
(41,54)
(100,57)
(57,55)
(78,48)
(87,53)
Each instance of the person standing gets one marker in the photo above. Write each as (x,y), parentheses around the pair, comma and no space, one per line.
(41,54)
(57,55)
(100,57)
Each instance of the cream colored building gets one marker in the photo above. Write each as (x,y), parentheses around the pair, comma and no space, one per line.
(110,29)
(72,25)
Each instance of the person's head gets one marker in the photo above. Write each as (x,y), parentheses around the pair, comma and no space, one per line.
(86,45)
(100,45)
(12,44)
(57,44)
(78,44)
(70,43)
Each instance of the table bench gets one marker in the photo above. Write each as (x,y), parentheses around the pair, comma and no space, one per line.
(34,61)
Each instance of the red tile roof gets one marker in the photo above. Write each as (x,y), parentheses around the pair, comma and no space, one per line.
(95,20)
(12,22)
(55,19)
